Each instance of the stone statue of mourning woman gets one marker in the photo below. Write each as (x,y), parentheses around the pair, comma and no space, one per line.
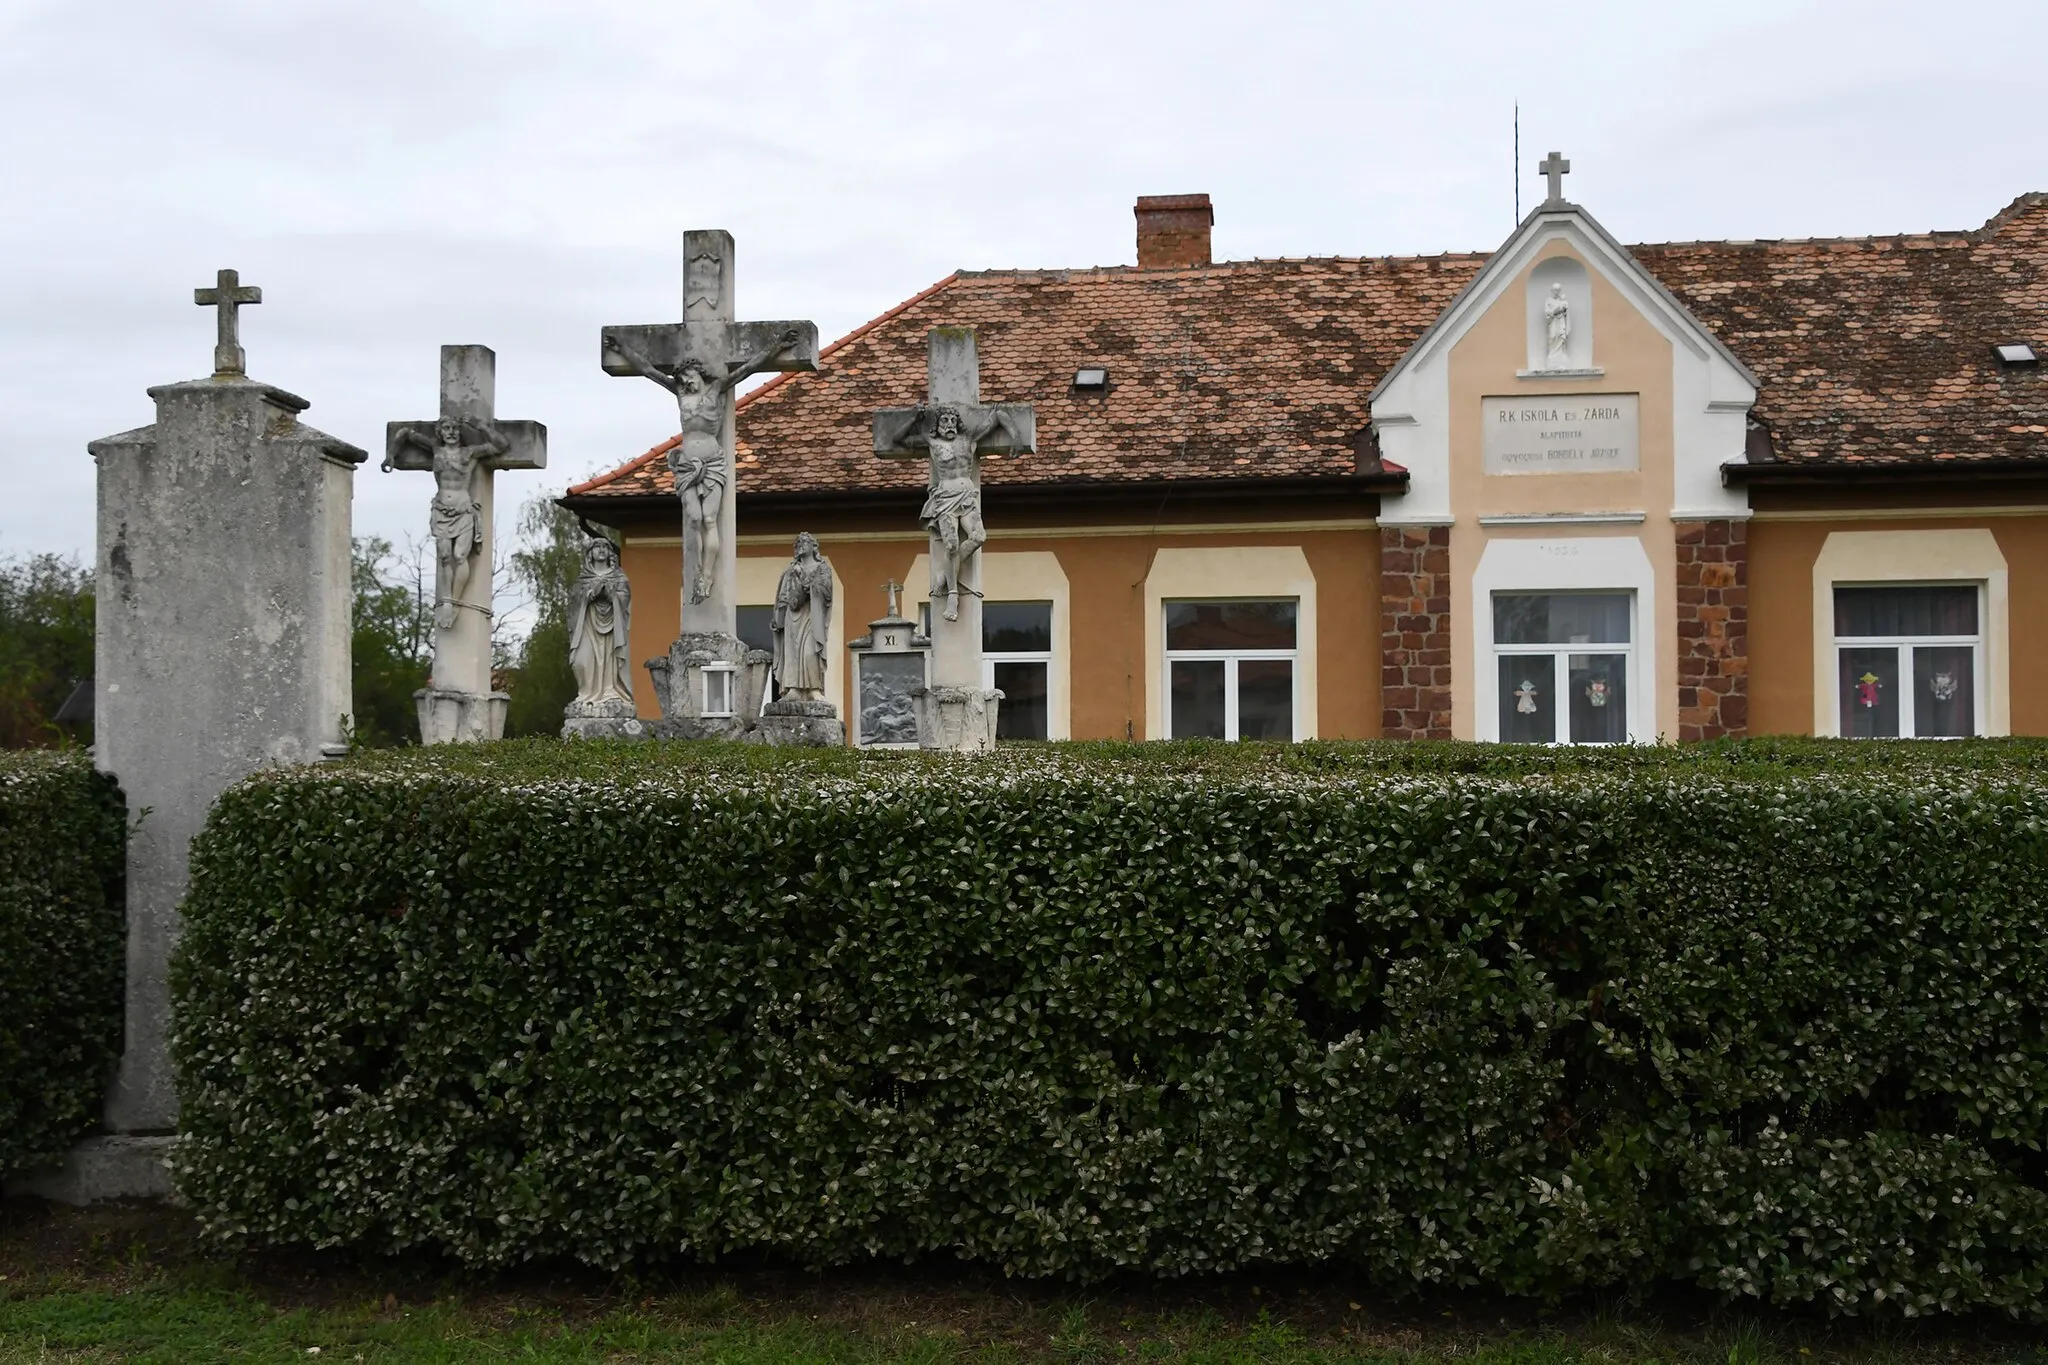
(802,621)
(600,610)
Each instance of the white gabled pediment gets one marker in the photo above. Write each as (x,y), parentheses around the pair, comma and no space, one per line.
(1711,388)
(1594,245)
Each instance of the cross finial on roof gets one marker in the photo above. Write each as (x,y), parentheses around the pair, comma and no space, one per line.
(228,294)
(1555,167)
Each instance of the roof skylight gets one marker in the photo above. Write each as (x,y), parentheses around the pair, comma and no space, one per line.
(2016,353)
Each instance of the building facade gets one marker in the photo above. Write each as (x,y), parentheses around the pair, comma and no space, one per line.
(1567,491)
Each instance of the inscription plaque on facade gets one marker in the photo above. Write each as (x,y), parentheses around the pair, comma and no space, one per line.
(1575,433)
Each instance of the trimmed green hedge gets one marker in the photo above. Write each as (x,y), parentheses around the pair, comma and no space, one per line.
(62,828)
(1738,1016)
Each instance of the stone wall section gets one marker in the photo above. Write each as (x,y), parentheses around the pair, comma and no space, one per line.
(1415,632)
(1713,629)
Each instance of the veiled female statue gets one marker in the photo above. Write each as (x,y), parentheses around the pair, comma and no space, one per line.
(600,621)
(1557,329)
(803,622)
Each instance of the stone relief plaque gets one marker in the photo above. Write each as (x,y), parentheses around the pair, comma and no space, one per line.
(1571,433)
(887,715)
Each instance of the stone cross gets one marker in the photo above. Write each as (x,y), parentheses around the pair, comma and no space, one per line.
(228,295)
(461,526)
(895,590)
(953,429)
(721,352)
(1555,167)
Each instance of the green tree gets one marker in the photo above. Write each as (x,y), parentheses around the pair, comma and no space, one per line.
(46,622)
(549,557)
(391,640)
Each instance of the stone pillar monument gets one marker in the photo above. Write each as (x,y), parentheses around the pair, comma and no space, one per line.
(700,360)
(221,647)
(954,430)
(463,448)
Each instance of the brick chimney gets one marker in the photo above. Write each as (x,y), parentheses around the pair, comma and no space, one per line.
(1173,230)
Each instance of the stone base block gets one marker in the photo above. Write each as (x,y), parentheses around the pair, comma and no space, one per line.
(794,723)
(606,727)
(448,717)
(959,719)
(105,1168)
(699,727)
(709,687)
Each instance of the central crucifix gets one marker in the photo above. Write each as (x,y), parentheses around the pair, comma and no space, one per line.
(953,429)
(701,360)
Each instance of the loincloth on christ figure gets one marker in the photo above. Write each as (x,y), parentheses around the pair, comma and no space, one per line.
(698,462)
(457,520)
(956,498)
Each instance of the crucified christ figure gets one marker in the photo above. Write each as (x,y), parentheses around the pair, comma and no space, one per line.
(456,517)
(952,508)
(699,458)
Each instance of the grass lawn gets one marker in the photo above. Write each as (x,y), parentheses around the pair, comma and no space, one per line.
(130,1283)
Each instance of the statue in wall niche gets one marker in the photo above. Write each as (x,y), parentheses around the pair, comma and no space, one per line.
(456,517)
(699,457)
(803,622)
(1557,328)
(600,622)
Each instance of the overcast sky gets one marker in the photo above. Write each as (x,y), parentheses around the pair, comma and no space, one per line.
(396,174)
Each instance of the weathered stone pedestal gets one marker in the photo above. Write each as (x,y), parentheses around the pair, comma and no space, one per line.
(112,1167)
(792,722)
(451,717)
(221,647)
(961,719)
(710,687)
(608,719)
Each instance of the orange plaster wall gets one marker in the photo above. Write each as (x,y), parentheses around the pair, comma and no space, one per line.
(1106,576)
(656,574)
(1781,624)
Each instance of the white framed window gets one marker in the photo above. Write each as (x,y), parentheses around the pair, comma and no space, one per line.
(1232,669)
(1564,662)
(1909,659)
(1016,657)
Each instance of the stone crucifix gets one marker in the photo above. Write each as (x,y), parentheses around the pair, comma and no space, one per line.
(228,294)
(700,360)
(953,429)
(463,447)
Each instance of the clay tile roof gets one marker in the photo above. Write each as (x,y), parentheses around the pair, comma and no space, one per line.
(1868,349)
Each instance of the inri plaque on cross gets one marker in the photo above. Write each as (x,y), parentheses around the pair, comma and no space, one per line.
(954,429)
(700,360)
